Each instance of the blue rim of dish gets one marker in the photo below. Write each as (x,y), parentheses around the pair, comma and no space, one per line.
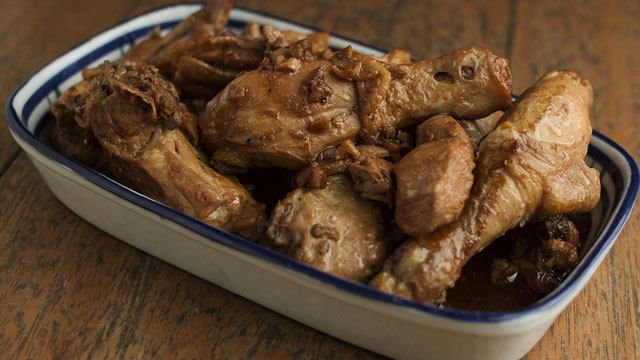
(624,198)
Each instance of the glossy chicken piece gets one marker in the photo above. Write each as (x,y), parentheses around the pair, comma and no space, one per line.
(190,34)
(467,84)
(136,116)
(336,160)
(217,60)
(531,166)
(434,179)
(279,117)
(272,117)
(205,70)
(332,229)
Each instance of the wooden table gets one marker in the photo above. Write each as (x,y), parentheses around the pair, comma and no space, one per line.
(68,290)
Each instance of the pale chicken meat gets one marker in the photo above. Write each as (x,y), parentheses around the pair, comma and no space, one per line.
(137,118)
(371,177)
(434,180)
(332,229)
(530,167)
(479,128)
(285,116)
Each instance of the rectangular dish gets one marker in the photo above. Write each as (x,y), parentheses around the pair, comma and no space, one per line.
(356,313)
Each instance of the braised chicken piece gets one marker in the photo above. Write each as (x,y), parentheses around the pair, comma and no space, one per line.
(285,116)
(73,136)
(467,83)
(191,34)
(530,167)
(434,179)
(137,117)
(207,69)
(332,229)
(479,128)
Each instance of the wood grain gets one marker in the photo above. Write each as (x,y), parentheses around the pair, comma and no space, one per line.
(68,290)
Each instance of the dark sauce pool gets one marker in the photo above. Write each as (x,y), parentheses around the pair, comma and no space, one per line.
(474,289)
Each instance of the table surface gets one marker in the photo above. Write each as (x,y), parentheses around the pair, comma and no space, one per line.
(69,290)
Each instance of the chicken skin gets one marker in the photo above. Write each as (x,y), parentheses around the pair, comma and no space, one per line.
(285,116)
(530,167)
(137,118)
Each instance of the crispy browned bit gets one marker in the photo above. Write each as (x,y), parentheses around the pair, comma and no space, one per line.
(337,160)
(542,255)
(373,179)
(479,128)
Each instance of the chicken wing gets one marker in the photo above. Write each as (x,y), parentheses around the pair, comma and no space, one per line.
(531,166)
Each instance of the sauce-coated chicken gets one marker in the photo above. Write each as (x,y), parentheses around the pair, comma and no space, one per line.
(531,166)
(271,117)
(434,180)
(136,116)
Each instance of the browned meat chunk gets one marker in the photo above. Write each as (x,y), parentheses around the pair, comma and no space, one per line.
(467,83)
(332,229)
(135,114)
(434,179)
(526,166)
(271,117)
(73,135)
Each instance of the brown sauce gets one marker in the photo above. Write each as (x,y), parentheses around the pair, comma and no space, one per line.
(475,291)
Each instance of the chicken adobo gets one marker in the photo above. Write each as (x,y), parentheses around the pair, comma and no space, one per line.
(395,172)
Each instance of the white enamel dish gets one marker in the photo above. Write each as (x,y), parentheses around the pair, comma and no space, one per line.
(353,312)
